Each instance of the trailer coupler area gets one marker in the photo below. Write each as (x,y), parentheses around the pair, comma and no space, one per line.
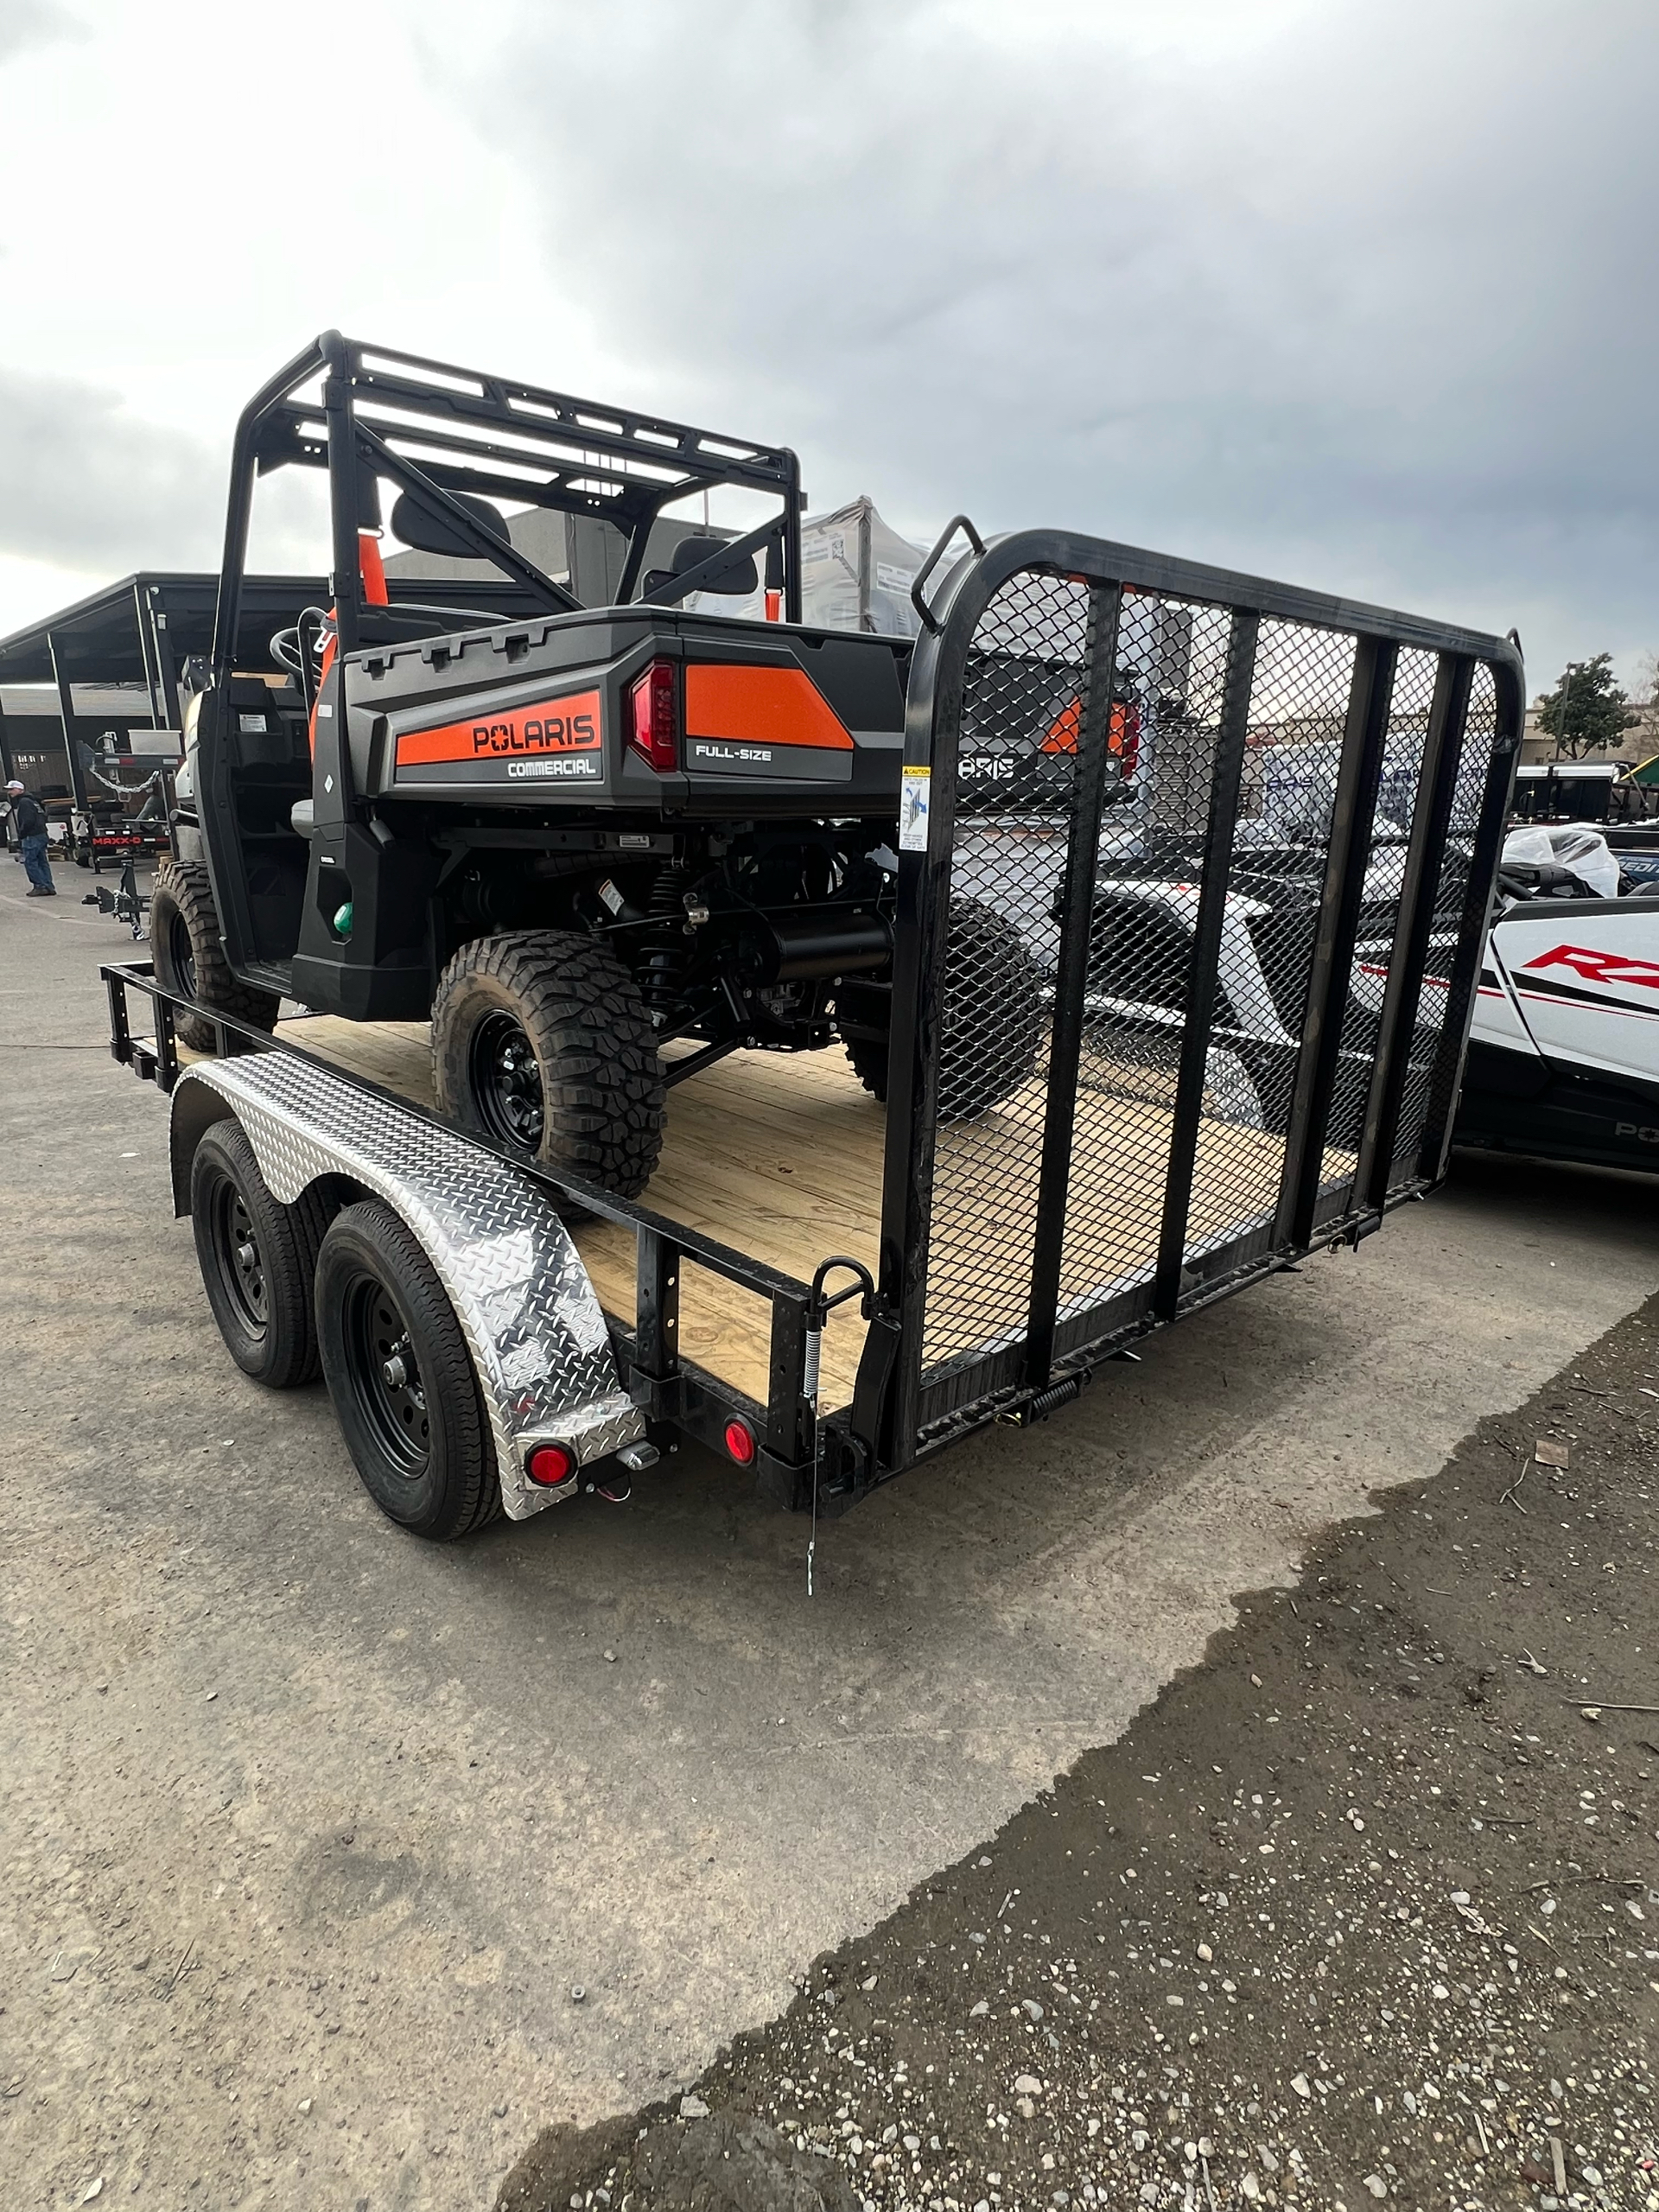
(537,1338)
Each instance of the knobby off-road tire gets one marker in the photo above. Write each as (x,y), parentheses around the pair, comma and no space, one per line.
(868,1057)
(401,1378)
(257,1258)
(991,1020)
(190,960)
(540,1042)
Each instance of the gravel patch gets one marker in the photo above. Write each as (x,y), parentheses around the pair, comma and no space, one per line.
(1364,1910)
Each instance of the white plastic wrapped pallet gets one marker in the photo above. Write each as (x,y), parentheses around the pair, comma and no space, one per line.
(857,572)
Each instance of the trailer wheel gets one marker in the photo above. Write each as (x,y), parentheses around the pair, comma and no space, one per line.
(401,1378)
(540,1042)
(190,962)
(991,1019)
(257,1258)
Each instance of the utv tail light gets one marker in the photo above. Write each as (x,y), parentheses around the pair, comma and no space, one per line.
(550,1464)
(654,730)
(740,1441)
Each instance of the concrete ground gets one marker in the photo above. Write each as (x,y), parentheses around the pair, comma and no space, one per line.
(313,1834)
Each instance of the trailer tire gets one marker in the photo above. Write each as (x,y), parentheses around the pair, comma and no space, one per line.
(991,1017)
(190,963)
(540,1042)
(401,1379)
(257,1258)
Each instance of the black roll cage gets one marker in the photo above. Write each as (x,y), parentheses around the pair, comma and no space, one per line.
(436,429)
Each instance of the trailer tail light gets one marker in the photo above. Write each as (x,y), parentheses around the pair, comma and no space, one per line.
(550,1464)
(654,726)
(1124,738)
(739,1442)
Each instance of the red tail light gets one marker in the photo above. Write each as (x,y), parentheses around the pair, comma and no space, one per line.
(1125,737)
(549,1465)
(740,1441)
(654,733)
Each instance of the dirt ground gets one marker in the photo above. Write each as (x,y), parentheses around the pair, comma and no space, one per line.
(1365,1908)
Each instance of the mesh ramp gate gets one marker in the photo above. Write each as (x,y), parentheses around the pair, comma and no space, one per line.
(1190,932)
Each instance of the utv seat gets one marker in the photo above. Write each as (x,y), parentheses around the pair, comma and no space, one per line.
(736,581)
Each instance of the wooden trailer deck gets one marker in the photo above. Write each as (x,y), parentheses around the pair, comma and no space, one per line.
(779,1155)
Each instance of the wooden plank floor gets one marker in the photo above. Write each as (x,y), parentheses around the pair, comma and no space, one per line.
(777,1154)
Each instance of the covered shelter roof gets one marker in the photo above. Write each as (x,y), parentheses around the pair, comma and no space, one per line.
(101,639)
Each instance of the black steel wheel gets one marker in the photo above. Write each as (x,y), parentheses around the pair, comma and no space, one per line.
(180,958)
(190,957)
(385,1374)
(400,1376)
(540,1042)
(506,1082)
(258,1257)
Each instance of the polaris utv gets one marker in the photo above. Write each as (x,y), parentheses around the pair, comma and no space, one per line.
(601,832)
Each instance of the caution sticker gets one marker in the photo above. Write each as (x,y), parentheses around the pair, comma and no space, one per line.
(912,810)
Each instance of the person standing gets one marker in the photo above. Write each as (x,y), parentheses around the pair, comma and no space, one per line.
(30,817)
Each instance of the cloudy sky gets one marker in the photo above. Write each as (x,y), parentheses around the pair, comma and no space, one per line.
(1356,293)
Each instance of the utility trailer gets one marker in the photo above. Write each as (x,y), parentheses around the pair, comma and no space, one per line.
(827,1288)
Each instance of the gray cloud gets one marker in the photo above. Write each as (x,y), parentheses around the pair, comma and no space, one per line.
(1359,295)
(25,23)
(88,486)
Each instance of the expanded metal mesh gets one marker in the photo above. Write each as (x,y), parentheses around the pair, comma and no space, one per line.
(1451,893)
(1023,701)
(1171,660)
(1043,701)
(1293,751)
(1398,797)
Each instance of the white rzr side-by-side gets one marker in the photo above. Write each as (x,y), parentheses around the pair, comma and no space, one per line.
(1563,1058)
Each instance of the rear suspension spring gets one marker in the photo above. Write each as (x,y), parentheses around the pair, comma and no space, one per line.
(664,947)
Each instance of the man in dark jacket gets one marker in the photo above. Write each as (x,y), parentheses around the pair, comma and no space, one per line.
(29,816)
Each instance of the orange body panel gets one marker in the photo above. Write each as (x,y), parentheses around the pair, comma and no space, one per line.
(1063,730)
(567,725)
(762,706)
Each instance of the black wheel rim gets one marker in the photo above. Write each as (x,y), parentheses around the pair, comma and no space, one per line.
(241,1263)
(507,1082)
(386,1378)
(183,959)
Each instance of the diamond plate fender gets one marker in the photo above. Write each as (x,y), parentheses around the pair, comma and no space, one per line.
(535,1328)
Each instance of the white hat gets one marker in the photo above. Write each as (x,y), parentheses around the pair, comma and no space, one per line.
(13,785)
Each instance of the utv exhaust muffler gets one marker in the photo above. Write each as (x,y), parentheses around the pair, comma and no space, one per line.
(792,948)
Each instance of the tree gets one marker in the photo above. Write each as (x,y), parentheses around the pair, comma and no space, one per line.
(1587,711)
(1647,700)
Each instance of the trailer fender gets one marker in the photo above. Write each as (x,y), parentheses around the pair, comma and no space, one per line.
(537,1335)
